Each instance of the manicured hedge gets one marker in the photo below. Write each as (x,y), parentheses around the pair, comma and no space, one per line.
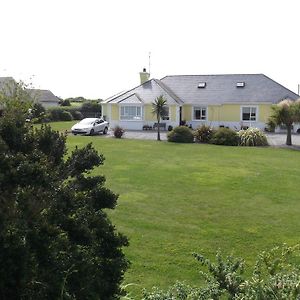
(181,134)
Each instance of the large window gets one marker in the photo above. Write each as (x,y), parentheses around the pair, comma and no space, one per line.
(166,117)
(249,113)
(200,113)
(131,113)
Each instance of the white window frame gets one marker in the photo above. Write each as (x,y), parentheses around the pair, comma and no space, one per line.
(256,113)
(201,108)
(134,119)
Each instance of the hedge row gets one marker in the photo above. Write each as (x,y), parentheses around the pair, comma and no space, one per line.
(221,136)
(66,113)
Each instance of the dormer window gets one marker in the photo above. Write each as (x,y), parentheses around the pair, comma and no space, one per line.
(201,85)
(240,84)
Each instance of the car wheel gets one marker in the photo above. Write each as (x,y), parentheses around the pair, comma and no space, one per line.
(105,130)
(74,133)
(92,132)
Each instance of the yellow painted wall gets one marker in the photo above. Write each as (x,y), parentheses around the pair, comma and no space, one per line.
(213,113)
(230,112)
(186,112)
(115,112)
(264,112)
(172,111)
(149,116)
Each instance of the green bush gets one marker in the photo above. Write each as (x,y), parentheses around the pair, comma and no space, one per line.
(65,102)
(252,137)
(91,106)
(225,136)
(59,114)
(66,116)
(76,114)
(38,110)
(181,134)
(203,134)
(275,275)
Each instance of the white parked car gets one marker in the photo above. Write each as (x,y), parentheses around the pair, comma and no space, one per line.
(90,126)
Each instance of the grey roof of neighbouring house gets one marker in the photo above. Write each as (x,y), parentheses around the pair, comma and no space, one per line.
(43,95)
(6,83)
(219,89)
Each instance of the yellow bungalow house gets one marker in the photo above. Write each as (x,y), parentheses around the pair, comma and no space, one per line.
(233,101)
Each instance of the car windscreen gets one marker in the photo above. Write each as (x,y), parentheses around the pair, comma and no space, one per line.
(87,122)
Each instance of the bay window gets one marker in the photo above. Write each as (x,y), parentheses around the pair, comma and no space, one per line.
(133,113)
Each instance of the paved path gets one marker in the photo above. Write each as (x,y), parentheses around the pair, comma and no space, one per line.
(274,139)
(279,140)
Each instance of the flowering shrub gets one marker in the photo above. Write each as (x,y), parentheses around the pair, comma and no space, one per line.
(203,134)
(118,132)
(252,137)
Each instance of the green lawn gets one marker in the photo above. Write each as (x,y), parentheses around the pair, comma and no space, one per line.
(179,198)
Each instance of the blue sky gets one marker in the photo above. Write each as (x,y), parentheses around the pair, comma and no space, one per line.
(96,48)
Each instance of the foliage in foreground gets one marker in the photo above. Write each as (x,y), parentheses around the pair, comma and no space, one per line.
(56,240)
(276,275)
(181,134)
(252,137)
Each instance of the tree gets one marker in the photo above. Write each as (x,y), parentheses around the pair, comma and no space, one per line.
(38,110)
(286,112)
(56,240)
(159,109)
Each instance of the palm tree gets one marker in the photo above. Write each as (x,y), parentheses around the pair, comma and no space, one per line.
(159,109)
(286,113)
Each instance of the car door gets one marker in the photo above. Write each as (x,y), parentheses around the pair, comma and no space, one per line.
(97,126)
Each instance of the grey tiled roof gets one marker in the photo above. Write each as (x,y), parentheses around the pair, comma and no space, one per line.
(42,95)
(219,89)
(222,89)
(146,92)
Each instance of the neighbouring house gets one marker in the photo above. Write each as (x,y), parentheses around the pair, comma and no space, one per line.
(235,101)
(45,97)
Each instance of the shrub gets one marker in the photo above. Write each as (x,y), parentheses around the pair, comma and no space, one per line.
(65,102)
(275,275)
(181,134)
(38,110)
(118,132)
(65,116)
(76,114)
(91,106)
(203,134)
(252,137)
(225,136)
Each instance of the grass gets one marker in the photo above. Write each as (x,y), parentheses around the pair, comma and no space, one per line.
(176,199)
